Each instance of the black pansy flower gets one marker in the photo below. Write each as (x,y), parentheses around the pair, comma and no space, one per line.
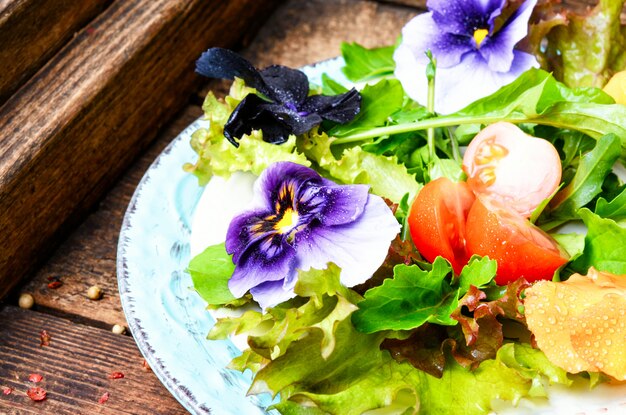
(282,105)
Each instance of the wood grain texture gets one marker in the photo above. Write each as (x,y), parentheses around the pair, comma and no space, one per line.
(305,32)
(70,131)
(31,31)
(76,367)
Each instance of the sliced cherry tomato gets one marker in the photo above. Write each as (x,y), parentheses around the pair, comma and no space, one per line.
(520,248)
(511,167)
(437,221)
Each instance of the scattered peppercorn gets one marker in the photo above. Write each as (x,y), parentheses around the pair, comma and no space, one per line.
(94,292)
(118,329)
(36,394)
(6,390)
(116,375)
(104,398)
(55,282)
(44,338)
(35,377)
(26,301)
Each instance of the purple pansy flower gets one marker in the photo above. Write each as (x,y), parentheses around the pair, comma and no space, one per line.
(473,42)
(283,107)
(301,221)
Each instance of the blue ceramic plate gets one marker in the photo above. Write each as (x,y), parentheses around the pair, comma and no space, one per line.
(166,317)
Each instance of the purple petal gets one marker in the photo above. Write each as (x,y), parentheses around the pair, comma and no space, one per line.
(359,247)
(226,64)
(241,232)
(281,177)
(333,205)
(422,34)
(463,17)
(339,108)
(498,49)
(271,259)
(272,293)
(288,86)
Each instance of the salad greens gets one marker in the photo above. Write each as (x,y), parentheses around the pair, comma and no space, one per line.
(399,340)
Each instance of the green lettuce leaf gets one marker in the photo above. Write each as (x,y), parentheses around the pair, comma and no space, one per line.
(409,299)
(210,272)
(363,64)
(414,296)
(378,102)
(587,183)
(383,174)
(605,245)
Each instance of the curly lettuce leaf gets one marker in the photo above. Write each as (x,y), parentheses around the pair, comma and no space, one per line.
(383,174)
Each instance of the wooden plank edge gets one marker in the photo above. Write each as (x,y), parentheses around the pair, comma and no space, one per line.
(74,127)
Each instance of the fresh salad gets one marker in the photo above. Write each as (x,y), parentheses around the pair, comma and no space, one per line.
(442,234)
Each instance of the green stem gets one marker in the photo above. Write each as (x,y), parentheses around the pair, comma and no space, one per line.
(445,121)
(430,134)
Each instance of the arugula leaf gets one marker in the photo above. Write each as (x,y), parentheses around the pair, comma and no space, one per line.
(478,272)
(605,245)
(210,272)
(534,97)
(412,298)
(331,87)
(378,102)
(615,209)
(594,166)
(363,64)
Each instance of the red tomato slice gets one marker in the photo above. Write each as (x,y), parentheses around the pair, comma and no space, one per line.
(437,221)
(520,248)
(511,167)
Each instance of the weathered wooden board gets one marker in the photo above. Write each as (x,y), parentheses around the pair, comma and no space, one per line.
(76,367)
(31,31)
(69,132)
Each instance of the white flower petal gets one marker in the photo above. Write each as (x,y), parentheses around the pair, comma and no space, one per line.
(359,248)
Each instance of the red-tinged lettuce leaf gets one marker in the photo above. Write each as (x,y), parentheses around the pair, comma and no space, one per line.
(423,349)
(585,47)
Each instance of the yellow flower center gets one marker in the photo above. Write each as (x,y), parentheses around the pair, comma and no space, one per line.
(480,35)
(287,222)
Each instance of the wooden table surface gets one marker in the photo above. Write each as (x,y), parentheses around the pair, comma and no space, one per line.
(82,352)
